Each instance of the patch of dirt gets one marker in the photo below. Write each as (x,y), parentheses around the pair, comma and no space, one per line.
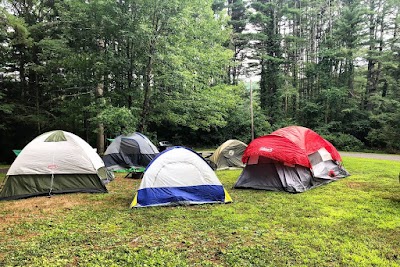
(135,242)
(35,208)
(366,186)
(47,204)
(356,185)
(392,197)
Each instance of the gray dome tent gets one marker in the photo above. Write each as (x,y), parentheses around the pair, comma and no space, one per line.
(134,150)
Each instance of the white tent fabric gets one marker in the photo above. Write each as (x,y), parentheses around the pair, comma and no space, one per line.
(184,168)
(179,176)
(64,157)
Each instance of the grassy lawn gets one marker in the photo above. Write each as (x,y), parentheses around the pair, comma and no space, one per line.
(352,222)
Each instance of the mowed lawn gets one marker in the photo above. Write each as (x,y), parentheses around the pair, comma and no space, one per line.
(351,222)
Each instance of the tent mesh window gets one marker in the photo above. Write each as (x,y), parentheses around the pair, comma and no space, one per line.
(130,151)
(57,136)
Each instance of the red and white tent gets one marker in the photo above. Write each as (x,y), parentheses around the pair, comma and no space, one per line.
(292,159)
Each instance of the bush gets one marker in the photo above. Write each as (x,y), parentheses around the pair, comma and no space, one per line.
(345,142)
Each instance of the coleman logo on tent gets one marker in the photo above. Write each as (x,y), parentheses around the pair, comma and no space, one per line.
(52,167)
(266,149)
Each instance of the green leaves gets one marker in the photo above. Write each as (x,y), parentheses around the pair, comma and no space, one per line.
(170,64)
(117,119)
(19,34)
(6,109)
(199,110)
(386,118)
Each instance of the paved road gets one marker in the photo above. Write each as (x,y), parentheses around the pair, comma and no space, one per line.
(370,155)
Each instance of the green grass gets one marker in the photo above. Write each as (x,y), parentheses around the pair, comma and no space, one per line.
(351,222)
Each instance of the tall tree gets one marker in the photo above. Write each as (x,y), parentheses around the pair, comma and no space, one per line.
(266,19)
(239,39)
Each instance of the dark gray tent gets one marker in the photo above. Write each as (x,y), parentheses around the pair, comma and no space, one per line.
(134,150)
(273,175)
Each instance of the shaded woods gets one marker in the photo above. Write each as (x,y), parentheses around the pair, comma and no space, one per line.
(179,70)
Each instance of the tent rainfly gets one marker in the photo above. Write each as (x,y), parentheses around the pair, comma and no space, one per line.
(179,176)
(134,150)
(53,163)
(292,159)
(229,155)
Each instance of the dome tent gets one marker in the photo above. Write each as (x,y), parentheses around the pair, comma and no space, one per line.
(53,163)
(134,150)
(292,159)
(179,176)
(229,155)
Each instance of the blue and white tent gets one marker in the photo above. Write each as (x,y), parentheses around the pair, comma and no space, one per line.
(179,176)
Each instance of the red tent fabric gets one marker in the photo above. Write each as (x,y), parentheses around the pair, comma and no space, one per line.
(290,145)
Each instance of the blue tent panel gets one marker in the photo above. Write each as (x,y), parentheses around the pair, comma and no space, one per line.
(187,194)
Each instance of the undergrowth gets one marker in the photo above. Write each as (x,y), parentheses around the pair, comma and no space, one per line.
(351,222)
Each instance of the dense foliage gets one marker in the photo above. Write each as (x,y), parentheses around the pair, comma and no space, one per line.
(332,66)
(172,69)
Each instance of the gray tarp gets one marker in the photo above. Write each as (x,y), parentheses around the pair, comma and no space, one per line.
(275,176)
(271,175)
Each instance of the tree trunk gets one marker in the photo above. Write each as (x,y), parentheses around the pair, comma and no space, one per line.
(100,101)
(372,72)
(147,90)
(381,45)
(100,126)
(37,105)
(22,76)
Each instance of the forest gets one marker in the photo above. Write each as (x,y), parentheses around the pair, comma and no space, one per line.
(187,71)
